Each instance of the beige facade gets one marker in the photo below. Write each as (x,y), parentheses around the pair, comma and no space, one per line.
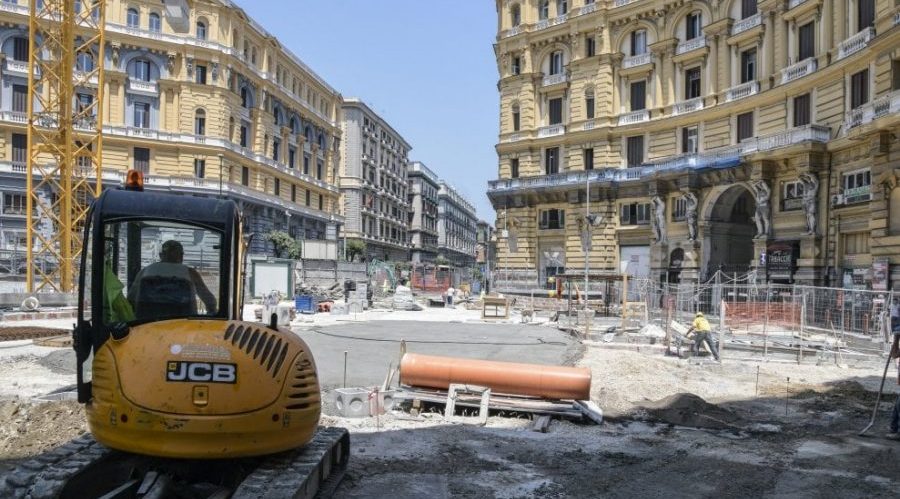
(204,101)
(716,135)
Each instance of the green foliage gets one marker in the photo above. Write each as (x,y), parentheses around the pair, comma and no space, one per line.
(441,260)
(355,247)
(285,245)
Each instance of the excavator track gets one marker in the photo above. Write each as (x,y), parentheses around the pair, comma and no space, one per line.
(314,470)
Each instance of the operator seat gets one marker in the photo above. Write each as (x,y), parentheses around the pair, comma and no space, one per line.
(164,296)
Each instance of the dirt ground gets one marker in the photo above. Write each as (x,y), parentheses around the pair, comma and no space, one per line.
(675,428)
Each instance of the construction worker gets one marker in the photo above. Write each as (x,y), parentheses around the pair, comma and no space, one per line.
(170,265)
(702,333)
(895,412)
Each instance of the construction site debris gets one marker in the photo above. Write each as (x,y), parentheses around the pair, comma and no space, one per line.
(653,331)
(687,409)
(551,382)
(29,332)
(31,428)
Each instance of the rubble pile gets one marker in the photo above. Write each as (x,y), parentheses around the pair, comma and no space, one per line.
(333,292)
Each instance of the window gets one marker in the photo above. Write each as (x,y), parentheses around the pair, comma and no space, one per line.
(543,9)
(141,70)
(635,150)
(748,8)
(590,46)
(142,160)
(639,42)
(307,198)
(791,195)
(748,65)
(515,117)
(84,61)
(200,122)
(516,68)
(694,23)
(276,187)
(155,24)
(20,49)
(634,214)
(14,204)
(802,110)
(19,148)
(690,139)
(865,14)
(895,74)
(133,19)
(20,98)
(589,104)
(638,95)
(515,15)
(589,158)
(807,41)
(200,168)
(856,243)
(859,89)
(553,219)
(321,203)
(243,138)
(276,149)
(551,160)
(319,169)
(201,30)
(857,186)
(245,175)
(679,209)
(306,164)
(141,115)
(555,111)
(692,83)
(744,126)
(293,193)
(84,102)
(292,157)
(562,7)
(245,98)
(556,62)
(514,168)
(200,74)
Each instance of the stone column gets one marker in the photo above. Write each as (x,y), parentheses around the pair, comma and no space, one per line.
(825,27)
(283,154)
(768,46)
(840,21)
(712,69)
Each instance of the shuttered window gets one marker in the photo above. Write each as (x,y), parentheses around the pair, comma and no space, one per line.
(807,39)
(19,148)
(551,160)
(744,126)
(555,111)
(20,98)
(801,110)
(142,159)
(692,83)
(589,158)
(748,65)
(865,13)
(859,89)
(635,153)
(514,168)
(639,95)
(20,49)
(748,8)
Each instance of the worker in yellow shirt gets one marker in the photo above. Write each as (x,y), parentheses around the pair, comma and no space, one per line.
(702,333)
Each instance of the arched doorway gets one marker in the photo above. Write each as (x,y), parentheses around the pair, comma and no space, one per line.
(728,238)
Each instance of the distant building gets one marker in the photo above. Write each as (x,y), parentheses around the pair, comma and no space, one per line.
(374,183)
(484,239)
(423,200)
(456,227)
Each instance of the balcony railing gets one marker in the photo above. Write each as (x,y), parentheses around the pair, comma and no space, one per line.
(587,9)
(799,70)
(514,137)
(794,3)
(512,32)
(551,131)
(687,106)
(18,67)
(882,106)
(141,86)
(857,194)
(741,91)
(745,24)
(719,158)
(636,60)
(690,45)
(634,117)
(14,117)
(855,43)
(588,125)
(622,3)
(554,79)
(14,7)
(546,23)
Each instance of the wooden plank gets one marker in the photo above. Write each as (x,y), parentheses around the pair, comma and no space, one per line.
(541,423)
(534,406)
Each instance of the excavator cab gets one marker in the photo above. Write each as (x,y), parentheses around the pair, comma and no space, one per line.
(166,367)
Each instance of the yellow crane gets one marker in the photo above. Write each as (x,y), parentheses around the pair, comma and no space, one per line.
(65,125)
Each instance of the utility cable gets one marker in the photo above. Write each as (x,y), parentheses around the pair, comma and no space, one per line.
(540,341)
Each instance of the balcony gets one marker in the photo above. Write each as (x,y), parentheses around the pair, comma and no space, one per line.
(85,78)
(746,24)
(587,9)
(19,68)
(799,70)
(622,3)
(634,117)
(741,91)
(554,79)
(14,8)
(855,195)
(512,32)
(880,107)
(636,60)
(687,106)
(143,87)
(798,135)
(514,137)
(855,43)
(690,45)
(551,131)
(14,117)
(588,125)
(547,23)
(794,3)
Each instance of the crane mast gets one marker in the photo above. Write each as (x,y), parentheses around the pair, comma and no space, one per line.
(65,123)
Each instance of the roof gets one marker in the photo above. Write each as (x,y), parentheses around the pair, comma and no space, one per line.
(119,203)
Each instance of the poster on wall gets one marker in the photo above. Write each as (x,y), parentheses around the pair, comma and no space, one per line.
(880,274)
(781,257)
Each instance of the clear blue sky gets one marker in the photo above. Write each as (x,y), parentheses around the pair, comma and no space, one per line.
(427,67)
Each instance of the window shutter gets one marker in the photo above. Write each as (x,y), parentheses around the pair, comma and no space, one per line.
(623,215)
(638,95)
(807,41)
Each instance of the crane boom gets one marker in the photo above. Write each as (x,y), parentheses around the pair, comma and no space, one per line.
(65,124)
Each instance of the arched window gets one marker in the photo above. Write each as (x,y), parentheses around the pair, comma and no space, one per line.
(543,9)
(84,61)
(515,15)
(693,25)
(515,117)
(140,70)
(133,19)
(155,22)
(556,62)
(201,30)
(200,122)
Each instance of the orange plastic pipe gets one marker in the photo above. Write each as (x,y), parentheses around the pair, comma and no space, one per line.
(552,382)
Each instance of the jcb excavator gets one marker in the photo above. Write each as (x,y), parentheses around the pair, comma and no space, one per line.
(183,398)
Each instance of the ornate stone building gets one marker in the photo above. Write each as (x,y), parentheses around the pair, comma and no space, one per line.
(706,135)
(456,226)
(205,102)
(423,200)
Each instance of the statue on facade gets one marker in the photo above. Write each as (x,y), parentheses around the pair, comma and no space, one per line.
(659,219)
(763,195)
(810,185)
(690,209)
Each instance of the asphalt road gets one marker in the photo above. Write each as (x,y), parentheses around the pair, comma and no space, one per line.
(372,346)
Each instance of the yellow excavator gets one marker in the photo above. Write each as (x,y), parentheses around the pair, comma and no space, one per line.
(183,398)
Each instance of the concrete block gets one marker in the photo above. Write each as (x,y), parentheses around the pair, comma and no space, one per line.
(352,402)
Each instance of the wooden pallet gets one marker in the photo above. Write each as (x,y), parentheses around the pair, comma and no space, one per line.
(562,408)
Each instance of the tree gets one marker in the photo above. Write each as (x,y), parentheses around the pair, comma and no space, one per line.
(285,245)
(355,247)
